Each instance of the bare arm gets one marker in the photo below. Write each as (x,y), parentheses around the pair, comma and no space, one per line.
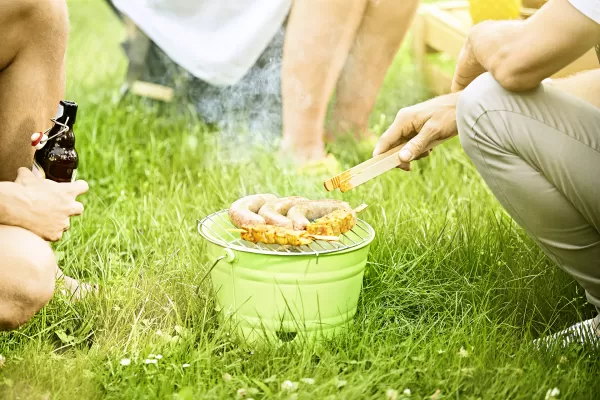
(520,54)
(585,85)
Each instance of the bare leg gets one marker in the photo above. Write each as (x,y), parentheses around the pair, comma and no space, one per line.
(32,67)
(318,38)
(380,35)
(27,276)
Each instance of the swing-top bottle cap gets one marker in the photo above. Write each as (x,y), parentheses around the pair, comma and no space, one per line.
(67,109)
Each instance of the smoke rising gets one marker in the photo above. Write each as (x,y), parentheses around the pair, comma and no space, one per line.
(247,114)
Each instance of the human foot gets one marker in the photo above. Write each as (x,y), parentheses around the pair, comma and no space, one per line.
(583,333)
(302,154)
(341,129)
(74,289)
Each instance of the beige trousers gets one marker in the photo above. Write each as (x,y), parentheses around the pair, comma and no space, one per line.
(539,152)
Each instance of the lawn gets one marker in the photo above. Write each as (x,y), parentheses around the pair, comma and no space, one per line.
(453,295)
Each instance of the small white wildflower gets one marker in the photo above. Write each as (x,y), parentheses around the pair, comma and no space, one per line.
(241,392)
(391,394)
(125,361)
(150,361)
(308,381)
(287,385)
(226,377)
(185,366)
(340,383)
(463,353)
(158,356)
(552,394)
(407,392)
(2,360)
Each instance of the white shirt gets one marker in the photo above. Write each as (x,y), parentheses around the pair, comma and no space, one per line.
(217,41)
(589,8)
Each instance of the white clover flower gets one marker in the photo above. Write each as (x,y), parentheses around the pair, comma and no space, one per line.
(340,383)
(308,381)
(407,392)
(289,386)
(241,392)
(226,377)
(463,353)
(125,361)
(150,361)
(391,394)
(552,394)
(185,366)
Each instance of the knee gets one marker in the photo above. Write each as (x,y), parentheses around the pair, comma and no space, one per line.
(47,19)
(29,282)
(482,95)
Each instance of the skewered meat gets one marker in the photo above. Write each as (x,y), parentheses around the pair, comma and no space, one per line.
(274,211)
(333,224)
(244,211)
(302,213)
(270,234)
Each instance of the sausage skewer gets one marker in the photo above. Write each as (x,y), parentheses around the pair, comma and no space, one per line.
(270,234)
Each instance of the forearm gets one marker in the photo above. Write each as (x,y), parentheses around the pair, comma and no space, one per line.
(520,54)
(585,85)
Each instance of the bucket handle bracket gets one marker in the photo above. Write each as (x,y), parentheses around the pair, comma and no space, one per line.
(229,256)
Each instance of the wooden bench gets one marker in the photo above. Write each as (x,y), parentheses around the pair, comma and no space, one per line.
(443,27)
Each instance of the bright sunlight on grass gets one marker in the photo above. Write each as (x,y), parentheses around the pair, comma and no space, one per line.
(453,295)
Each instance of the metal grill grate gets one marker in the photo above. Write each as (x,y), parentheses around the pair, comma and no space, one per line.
(215,228)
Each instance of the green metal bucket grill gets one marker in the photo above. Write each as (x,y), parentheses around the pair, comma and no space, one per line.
(283,293)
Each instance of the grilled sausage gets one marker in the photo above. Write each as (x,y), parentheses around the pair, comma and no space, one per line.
(302,213)
(243,212)
(274,211)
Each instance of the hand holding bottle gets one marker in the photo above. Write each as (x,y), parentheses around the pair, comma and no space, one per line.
(42,206)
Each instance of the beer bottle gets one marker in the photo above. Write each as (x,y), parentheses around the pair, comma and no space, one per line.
(58,159)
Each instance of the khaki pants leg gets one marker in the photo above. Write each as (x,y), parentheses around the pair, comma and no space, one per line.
(539,152)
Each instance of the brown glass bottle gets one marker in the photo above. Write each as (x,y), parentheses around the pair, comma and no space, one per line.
(59,159)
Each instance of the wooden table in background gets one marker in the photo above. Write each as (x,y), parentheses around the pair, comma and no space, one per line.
(443,28)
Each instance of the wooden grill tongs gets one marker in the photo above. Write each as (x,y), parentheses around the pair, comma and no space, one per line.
(368,170)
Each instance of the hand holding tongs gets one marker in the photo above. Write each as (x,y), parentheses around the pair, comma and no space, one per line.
(369,169)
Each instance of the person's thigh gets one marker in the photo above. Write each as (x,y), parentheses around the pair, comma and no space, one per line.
(539,152)
(34,35)
(27,275)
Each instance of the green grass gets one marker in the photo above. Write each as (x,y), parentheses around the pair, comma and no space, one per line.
(447,270)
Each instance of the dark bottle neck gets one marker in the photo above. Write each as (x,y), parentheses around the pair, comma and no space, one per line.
(67,116)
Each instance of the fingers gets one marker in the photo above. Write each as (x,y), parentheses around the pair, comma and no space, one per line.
(401,128)
(78,187)
(418,145)
(77,209)
(24,175)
